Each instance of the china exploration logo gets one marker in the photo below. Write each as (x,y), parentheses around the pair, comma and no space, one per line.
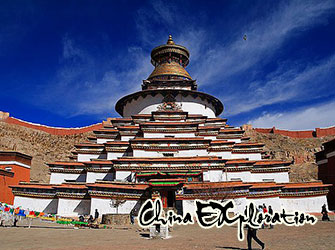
(212,213)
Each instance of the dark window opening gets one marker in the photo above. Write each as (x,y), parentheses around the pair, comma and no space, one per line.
(168,154)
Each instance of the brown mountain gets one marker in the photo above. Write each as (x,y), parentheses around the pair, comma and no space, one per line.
(299,150)
(42,146)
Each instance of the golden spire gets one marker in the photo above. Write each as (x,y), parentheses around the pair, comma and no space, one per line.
(170,41)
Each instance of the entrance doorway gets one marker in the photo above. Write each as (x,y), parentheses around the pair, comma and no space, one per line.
(168,198)
(171,198)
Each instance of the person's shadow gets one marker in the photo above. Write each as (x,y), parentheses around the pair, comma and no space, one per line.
(233,248)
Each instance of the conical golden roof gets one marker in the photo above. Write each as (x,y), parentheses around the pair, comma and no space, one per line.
(169,69)
(170,59)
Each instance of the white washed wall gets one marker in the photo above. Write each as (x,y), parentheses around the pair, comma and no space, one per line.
(240,204)
(189,104)
(234,140)
(276,176)
(251,157)
(205,175)
(221,175)
(127,137)
(73,207)
(216,175)
(307,204)
(189,206)
(105,206)
(274,202)
(162,135)
(210,137)
(37,204)
(58,178)
(180,153)
(93,176)
(223,154)
(88,157)
(103,140)
(245,176)
(123,175)
(114,155)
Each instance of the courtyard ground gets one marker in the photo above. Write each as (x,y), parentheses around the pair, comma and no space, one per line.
(44,235)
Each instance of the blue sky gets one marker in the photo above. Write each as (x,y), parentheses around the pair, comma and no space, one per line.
(66,63)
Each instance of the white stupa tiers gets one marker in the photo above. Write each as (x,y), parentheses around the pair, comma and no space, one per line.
(170,143)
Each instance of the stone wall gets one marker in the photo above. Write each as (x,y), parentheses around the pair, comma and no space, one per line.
(317,133)
(115,219)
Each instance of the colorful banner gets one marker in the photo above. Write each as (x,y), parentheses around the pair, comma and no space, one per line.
(8,212)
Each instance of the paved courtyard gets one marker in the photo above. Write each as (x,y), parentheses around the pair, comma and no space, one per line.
(53,236)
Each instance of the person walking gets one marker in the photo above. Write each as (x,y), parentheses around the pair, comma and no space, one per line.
(260,210)
(252,235)
(265,210)
(271,213)
(132,218)
(324,213)
(96,214)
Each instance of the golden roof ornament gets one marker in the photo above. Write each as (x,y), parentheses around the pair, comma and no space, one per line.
(170,41)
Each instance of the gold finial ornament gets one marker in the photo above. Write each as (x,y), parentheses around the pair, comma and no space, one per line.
(170,41)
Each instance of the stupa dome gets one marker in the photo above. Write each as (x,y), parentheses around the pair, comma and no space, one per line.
(169,86)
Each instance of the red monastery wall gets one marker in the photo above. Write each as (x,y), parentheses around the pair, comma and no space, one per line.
(51,130)
(264,130)
(318,132)
(325,131)
(295,134)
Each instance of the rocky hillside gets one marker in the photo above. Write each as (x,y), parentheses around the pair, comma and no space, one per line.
(45,147)
(300,151)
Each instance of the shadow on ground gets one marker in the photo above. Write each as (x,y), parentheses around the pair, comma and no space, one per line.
(232,248)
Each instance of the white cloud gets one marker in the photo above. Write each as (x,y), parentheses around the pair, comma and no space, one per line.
(264,37)
(221,64)
(114,85)
(309,118)
(287,85)
(78,88)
